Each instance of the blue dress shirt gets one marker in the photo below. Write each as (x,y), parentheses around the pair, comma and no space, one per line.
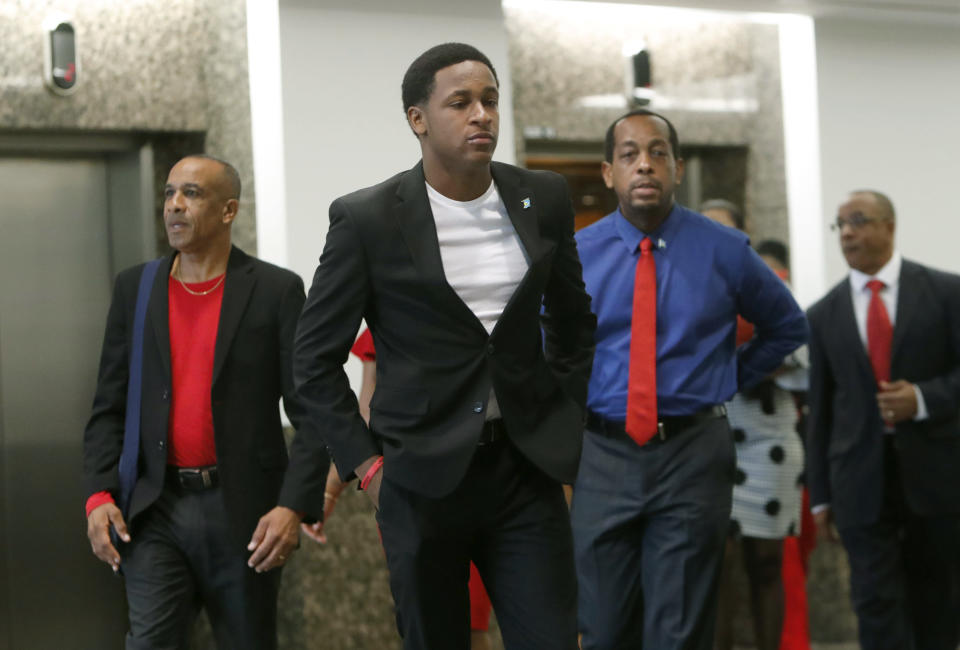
(706,275)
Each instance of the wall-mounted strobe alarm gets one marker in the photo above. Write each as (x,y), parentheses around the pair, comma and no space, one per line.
(61,70)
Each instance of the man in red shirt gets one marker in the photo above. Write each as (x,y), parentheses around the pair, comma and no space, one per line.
(210,456)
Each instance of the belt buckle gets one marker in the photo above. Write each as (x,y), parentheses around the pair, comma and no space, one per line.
(661,431)
(205,477)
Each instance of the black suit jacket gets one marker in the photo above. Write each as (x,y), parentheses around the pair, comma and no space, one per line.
(435,361)
(845,436)
(252,371)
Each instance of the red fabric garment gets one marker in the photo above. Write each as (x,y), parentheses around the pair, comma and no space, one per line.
(479,601)
(744,331)
(193,324)
(796,632)
(363,347)
(796,553)
(879,333)
(97,499)
(641,422)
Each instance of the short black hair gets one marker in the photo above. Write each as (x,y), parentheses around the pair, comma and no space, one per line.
(609,143)
(420,78)
(229,172)
(736,214)
(776,249)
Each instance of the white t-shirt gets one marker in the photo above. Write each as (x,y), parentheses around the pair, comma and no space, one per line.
(483,259)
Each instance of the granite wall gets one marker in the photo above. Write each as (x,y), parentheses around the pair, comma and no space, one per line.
(717,80)
(173,72)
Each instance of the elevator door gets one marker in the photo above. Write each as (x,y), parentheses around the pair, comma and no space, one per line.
(55,282)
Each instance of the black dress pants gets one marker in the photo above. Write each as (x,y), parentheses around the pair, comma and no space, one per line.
(650,525)
(182,557)
(513,522)
(903,572)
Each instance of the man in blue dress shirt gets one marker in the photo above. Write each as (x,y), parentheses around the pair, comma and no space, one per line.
(650,519)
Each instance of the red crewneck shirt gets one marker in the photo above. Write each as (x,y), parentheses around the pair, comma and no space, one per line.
(193,321)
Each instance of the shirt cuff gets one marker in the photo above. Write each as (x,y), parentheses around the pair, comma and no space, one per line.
(922,413)
(97,499)
(820,507)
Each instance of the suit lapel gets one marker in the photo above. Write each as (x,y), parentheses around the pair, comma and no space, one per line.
(419,232)
(237,287)
(847,327)
(523,210)
(417,226)
(158,310)
(908,304)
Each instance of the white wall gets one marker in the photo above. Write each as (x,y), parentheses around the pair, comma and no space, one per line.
(889,96)
(343,118)
(343,121)
(801,139)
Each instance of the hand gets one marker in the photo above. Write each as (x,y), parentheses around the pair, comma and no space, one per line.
(826,530)
(274,539)
(373,489)
(330,495)
(98,532)
(897,401)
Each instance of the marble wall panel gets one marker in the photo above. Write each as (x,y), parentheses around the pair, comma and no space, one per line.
(562,60)
(152,66)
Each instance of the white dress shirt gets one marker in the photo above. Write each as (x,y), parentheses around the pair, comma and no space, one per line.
(860,293)
(483,259)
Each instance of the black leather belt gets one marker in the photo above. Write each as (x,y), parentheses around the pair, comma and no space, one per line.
(194,479)
(667,427)
(493,431)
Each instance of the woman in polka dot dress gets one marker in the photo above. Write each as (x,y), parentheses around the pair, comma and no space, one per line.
(768,486)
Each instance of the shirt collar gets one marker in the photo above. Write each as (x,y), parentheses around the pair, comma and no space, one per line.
(632,236)
(889,274)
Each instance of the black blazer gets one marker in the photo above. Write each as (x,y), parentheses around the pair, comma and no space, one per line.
(435,361)
(845,436)
(251,372)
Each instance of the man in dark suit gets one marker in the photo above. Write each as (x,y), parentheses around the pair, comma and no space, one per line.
(884,431)
(476,417)
(217,353)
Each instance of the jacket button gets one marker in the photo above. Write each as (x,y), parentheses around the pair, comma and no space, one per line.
(490,349)
(478,407)
(161,445)
(166,394)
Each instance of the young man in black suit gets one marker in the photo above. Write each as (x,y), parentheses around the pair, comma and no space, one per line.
(217,353)
(476,419)
(884,431)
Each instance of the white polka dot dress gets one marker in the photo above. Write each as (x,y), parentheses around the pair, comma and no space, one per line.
(767,489)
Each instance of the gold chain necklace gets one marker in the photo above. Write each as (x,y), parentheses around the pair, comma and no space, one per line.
(176,274)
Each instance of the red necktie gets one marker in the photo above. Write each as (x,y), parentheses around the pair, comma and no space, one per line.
(879,333)
(642,383)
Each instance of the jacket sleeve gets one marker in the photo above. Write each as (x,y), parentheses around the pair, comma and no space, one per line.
(329,322)
(568,324)
(307,495)
(103,436)
(942,393)
(779,324)
(820,420)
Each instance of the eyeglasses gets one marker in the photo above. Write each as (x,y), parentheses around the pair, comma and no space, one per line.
(856,221)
